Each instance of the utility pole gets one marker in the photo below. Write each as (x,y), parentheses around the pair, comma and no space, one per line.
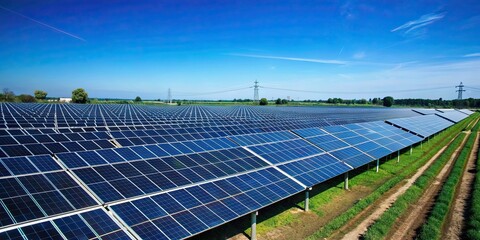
(169,96)
(255,93)
(460,90)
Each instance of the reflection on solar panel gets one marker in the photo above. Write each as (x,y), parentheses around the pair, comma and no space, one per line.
(466,111)
(453,116)
(424,126)
(187,211)
(94,224)
(130,171)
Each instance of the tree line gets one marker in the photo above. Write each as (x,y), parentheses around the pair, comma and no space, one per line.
(79,95)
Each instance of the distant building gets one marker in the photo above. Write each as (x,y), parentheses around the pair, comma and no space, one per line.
(63,99)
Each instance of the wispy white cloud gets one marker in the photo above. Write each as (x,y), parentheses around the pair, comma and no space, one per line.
(43,24)
(313,60)
(359,55)
(472,55)
(423,21)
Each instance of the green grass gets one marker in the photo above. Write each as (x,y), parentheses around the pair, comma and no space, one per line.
(473,221)
(432,229)
(392,173)
(383,225)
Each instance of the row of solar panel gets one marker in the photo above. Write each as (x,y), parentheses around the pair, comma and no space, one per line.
(94,224)
(424,126)
(130,179)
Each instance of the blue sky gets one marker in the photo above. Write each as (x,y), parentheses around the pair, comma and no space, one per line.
(202,49)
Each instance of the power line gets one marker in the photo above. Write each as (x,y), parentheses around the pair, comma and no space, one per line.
(472,88)
(215,92)
(357,92)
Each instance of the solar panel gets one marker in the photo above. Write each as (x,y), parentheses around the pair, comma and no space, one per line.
(176,172)
(424,126)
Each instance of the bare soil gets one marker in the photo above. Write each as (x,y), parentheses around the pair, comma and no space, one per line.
(455,223)
(406,226)
(353,229)
(310,222)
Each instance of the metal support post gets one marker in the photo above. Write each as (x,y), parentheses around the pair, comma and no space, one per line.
(345,186)
(378,163)
(253,234)
(307,199)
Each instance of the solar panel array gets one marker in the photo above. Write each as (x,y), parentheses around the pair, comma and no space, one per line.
(454,116)
(129,171)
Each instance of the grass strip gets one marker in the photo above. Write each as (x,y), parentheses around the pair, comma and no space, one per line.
(437,143)
(432,228)
(382,226)
(473,223)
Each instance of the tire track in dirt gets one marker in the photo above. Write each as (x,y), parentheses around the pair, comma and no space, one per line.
(406,226)
(384,203)
(456,220)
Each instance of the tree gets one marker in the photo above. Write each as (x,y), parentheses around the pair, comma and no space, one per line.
(263,101)
(25,98)
(362,101)
(278,101)
(79,96)
(138,99)
(8,95)
(388,101)
(39,94)
(284,101)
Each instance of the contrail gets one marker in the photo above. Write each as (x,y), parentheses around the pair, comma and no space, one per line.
(43,24)
(325,61)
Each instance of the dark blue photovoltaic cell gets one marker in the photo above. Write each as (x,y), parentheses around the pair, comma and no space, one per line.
(190,222)
(127,154)
(45,163)
(352,157)
(171,228)
(286,151)
(149,208)
(143,152)
(22,208)
(100,222)
(110,156)
(129,213)
(19,165)
(43,230)
(148,230)
(312,171)
(74,227)
(72,160)
(327,142)
(4,218)
(206,216)
(92,158)
(373,149)
(246,140)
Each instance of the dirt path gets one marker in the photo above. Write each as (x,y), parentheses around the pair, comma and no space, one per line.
(368,217)
(406,226)
(456,219)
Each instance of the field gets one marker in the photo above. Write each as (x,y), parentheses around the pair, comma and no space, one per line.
(143,171)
